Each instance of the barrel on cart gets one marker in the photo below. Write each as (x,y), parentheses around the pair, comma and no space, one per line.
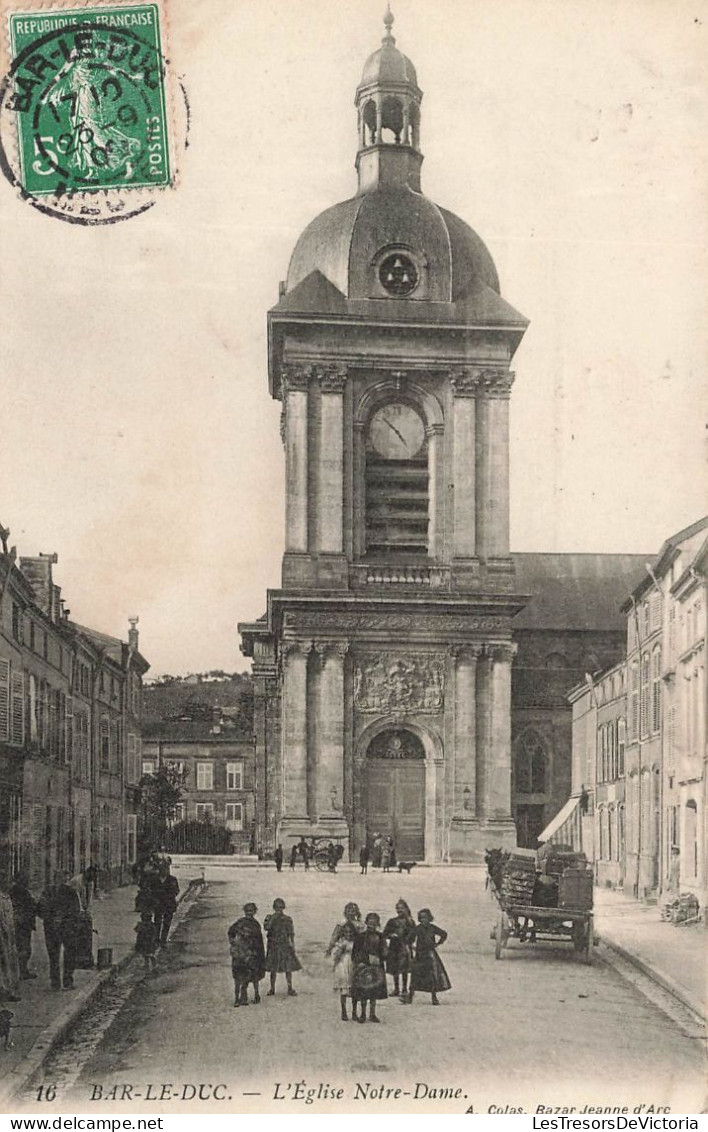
(546,899)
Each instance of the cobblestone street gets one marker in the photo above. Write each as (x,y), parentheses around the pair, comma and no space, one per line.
(538,1027)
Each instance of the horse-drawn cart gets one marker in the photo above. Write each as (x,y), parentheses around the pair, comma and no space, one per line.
(538,904)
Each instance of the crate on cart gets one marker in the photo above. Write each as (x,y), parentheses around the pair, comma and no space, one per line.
(519,878)
(575,889)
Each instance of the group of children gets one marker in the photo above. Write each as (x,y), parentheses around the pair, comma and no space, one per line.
(363,955)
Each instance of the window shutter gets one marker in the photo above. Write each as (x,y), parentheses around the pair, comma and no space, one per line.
(70,729)
(4,700)
(18,708)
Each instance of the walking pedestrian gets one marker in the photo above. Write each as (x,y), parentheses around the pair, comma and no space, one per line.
(340,948)
(369,977)
(400,933)
(377,851)
(60,909)
(9,966)
(386,857)
(364,859)
(293,857)
(391,852)
(278,858)
(280,954)
(90,882)
(427,970)
(247,955)
(304,850)
(169,891)
(25,909)
(146,939)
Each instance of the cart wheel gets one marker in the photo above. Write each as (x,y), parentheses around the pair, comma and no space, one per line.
(501,933)
(322,862)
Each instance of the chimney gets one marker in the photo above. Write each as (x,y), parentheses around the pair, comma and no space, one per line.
(38,572)
(133,633)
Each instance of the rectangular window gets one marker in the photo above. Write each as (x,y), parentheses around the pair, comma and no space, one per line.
(180,812)
(234,816)
(131,770)
(205,776)
(17,735)
(16,622)
(31,635)
(131,838)
(105,743)
(634,702)
(4,700)
(656,690)
(234,776)
(644,697)
(621,739)
(204,811)
(148,766)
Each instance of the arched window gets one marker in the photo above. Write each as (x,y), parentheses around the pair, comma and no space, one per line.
(397,497)
(610,833)
(414,115)
(656,689)
(531,765)
(620,833)
(391,121)
(621,739)
(369,120)
(601,818)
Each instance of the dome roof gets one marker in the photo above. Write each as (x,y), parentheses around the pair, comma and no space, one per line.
(344,243)
(388,65)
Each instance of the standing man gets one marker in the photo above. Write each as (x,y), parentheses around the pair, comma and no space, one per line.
(278,858)
(25,910)
(60,908)
(167,906)
(364,859)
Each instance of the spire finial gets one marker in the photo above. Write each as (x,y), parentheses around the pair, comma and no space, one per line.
(388,24)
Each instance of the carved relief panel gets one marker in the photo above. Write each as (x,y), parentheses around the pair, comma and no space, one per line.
(399,682)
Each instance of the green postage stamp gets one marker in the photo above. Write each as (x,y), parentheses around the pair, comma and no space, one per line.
(86,88)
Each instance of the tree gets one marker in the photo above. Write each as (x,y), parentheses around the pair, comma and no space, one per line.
(160,794)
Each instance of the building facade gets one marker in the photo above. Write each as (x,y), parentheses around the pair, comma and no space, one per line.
(69,733)
(217,765)
(383,668)
(639,739)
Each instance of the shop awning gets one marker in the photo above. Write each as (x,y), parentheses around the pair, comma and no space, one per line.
(559,820)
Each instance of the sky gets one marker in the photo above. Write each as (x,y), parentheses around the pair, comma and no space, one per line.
(138,439)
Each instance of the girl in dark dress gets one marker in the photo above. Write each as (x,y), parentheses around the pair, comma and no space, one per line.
(369,977)
(400,933)
(427,971)
(280,955)
(247,955)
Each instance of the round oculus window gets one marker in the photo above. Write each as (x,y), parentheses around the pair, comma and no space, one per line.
(398,275)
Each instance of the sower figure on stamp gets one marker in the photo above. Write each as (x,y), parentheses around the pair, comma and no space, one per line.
(247,955)
(369,978)
(340,948)
(25,911)
(280,955)
(427,970)
(60,908)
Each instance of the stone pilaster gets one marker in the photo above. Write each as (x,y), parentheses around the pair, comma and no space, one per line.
(294,749)
(434,434)
(464,387)
(330,470)
(498,786)
(465,783)
(295,394)
(492,463)
(330,731)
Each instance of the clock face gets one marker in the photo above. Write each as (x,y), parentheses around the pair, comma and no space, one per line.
(396,431)
(398,275)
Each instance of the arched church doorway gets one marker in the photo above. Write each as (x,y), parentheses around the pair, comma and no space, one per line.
(395,792)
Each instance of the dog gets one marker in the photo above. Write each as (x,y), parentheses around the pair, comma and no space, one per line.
(407,865)
(6,1017)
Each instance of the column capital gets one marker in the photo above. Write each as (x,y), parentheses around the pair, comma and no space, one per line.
(295,378)
(496,383)
(331,648)
(502,651)
(465,382)
(470,653)
(295,647)
(332,377)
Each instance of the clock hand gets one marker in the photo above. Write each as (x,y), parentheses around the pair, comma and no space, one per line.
(398,434)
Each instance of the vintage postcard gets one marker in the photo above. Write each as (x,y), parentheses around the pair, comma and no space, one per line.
(354,558)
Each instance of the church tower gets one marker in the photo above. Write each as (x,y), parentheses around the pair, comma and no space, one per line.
(382,667)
